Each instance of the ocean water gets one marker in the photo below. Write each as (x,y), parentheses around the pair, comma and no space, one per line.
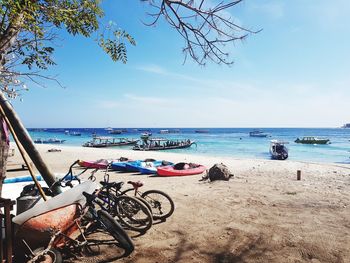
(233,142)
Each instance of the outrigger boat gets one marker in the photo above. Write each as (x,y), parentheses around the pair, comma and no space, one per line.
(99,142)
(278,150)
(49,141)
(312,140)
(157,144)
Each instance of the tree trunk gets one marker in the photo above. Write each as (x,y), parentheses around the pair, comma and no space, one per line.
(4,149)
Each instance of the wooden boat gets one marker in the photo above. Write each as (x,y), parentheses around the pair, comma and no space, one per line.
(99,142)
(145,167)
(258,133)
(157,144)
(278,150)
(181,169)
(312,140)
(49,141)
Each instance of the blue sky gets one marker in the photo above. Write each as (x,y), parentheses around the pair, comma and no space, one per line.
(295,73)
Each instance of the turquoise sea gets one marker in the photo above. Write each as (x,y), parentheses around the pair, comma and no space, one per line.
(234,142)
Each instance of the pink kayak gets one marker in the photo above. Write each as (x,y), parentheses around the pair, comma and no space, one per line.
(188,169)
(101,163)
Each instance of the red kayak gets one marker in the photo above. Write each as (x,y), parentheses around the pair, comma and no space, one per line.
(180,170)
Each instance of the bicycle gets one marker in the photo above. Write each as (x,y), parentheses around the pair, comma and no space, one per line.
(160,203)
(131,211)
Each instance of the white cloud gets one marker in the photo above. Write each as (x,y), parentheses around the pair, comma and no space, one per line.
(153,69)
(148,100)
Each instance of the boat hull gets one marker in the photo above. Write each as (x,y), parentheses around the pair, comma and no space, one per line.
(311,142)
(258,135)
(279,156)
(102,145)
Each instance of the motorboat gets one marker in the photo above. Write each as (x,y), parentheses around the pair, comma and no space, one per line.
(278,150)
(312,140)
(145,135)
(258,133)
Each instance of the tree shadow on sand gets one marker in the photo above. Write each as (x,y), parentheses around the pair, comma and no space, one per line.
(234,246)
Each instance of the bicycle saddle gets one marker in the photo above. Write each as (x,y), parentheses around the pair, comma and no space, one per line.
(136,185)
(112,184)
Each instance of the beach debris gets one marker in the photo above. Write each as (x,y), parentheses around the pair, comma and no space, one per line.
(219,171)
(54,150)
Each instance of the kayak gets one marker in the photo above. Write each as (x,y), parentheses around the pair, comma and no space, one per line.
(145,167)
(21,179)
(171,170)
(98,164)
(121,166)
(101,163)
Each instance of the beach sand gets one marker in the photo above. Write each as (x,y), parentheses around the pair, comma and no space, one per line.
(263,214)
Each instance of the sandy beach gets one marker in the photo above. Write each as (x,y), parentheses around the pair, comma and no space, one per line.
(263,214)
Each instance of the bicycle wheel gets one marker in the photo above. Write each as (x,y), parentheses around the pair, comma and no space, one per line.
(161,203)
(145,203)
(131,192)
(109,224)
(133,213)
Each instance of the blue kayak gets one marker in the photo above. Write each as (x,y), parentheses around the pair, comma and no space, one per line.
(21,179)
(120,166)
(145,167)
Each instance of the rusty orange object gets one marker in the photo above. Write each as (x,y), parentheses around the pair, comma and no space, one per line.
(38,230)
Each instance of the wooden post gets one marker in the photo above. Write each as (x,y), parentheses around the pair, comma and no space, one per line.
(27,143)
(6,250)
(298,175)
